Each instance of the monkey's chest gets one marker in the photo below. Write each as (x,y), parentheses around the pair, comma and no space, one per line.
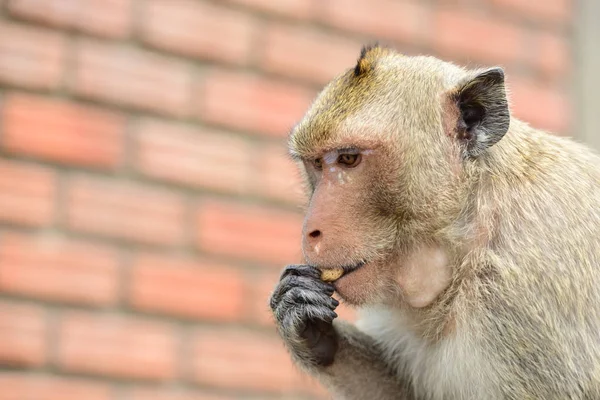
(452,368)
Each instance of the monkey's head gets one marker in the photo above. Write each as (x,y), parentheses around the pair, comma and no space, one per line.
(387,150)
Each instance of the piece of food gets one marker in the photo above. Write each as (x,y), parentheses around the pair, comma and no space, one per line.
(331,274)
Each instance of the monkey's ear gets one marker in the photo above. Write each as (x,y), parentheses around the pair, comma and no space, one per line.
(483,111)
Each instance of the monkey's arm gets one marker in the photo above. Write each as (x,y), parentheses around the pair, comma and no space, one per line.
(344,359)
(358,371)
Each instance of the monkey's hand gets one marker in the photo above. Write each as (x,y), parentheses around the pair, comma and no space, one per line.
(304,312)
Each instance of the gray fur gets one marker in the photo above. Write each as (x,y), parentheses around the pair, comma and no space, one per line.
(519,219)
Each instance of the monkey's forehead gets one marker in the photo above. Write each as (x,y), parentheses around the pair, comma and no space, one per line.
(391,94)
(322,124)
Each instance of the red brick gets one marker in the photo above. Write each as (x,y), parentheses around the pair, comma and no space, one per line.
(291,8)
(308,54)
(261,288)
(249,232)
(558,11)
(187,287)
(111,18)
(132,78)
(166,394)
(23,386)
(551,55)
(226,35)
(385,19)
(245,101)
(541,106)
(198,158)
(62,131)
(22,335)
(116,346)
(466,35)
(52,268)
(278,177)
(26,194)
(125,211)
(241,360)
(30,57)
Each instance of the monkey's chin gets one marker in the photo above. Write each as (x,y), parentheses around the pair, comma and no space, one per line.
(358,284)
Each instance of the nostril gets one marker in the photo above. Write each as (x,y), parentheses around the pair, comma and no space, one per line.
(315,234)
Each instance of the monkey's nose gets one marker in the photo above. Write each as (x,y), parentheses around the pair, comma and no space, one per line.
(315,234)
(313,242)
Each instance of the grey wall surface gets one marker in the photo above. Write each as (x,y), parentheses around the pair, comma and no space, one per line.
(587,73)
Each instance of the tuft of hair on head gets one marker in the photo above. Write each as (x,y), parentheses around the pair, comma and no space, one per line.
(366,60)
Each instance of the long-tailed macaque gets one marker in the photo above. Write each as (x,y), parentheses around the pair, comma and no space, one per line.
(468,241)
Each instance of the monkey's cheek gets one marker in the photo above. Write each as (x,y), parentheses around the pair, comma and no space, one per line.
(358,286)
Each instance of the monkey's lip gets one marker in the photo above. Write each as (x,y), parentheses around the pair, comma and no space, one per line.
(346,267)
(353,267)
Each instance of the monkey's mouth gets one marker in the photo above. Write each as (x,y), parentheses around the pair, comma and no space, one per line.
(353,267)
(345,268)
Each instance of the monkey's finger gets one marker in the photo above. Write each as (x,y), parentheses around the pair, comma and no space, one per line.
(303,282)
(304,311)
(307,283)
(300,296)
(320,313)
(301,270)
(294,322)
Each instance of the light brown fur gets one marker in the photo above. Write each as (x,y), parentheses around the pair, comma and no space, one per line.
(513,311)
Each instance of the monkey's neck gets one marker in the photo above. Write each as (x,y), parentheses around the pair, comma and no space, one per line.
(506,182)
(511,165)
(521,152)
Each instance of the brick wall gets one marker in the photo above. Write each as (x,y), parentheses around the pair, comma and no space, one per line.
(146,203)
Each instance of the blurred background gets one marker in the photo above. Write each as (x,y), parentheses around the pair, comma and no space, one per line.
(146,202)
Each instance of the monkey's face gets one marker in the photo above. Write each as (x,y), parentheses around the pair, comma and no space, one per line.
(349,222)
(379,177)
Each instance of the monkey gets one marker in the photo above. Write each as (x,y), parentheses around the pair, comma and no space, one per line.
(469,241)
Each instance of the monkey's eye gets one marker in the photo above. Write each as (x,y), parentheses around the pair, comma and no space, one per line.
(318,163)
(349,160)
